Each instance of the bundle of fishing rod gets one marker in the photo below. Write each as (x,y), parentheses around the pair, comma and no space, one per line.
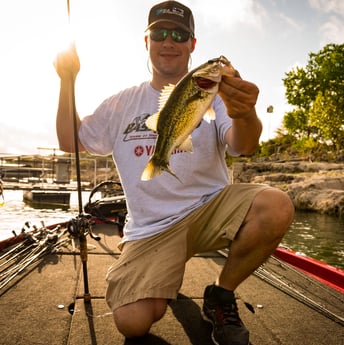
(300,286)
(33,244)
(20,254)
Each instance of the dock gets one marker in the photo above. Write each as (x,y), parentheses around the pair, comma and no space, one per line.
(47,305)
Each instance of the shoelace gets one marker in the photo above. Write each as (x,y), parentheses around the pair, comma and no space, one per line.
(228,314)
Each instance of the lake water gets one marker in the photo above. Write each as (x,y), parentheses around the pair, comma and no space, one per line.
(316,235)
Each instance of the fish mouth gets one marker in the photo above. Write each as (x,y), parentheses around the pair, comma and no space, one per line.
(205,83)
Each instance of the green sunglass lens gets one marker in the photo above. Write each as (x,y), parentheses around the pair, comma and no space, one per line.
(177,36)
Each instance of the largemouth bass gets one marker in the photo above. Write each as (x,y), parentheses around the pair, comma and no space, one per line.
(181,109)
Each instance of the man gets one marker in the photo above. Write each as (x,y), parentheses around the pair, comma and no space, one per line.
(169,221)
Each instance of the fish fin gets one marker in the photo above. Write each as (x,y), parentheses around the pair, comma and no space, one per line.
(152,122)
(165,94)
(186,145)
(209,115)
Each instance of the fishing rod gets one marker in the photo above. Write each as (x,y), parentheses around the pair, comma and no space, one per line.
(280,284)
(80,226)
(285,284)
(14,249)
(75,132)
(47,242)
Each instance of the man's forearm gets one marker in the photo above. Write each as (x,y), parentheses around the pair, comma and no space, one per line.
(64,119)
(244,133)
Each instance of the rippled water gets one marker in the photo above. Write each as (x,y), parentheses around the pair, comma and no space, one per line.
(14,213)
(316,235)
(319,236)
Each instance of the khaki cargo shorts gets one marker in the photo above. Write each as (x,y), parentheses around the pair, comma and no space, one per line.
(154,267)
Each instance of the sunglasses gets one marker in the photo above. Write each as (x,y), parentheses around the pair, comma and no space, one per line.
(177,35)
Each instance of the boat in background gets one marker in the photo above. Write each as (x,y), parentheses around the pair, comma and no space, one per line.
(48,198)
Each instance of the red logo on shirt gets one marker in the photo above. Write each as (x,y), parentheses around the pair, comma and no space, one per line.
(139,151)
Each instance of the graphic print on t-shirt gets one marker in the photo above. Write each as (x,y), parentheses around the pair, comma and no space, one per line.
(137,130)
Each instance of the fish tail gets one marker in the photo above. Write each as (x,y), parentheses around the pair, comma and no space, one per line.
(155,168)
(152,169)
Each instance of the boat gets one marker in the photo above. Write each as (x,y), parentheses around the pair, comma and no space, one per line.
(321,271)
(48,195)
(47,198)
(52,288)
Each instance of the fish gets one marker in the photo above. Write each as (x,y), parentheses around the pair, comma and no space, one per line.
(181,109)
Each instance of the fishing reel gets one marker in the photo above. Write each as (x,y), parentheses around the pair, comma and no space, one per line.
(81,227)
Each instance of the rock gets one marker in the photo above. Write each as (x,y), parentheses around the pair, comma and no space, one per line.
(318,194)
(315,187)
(326,201)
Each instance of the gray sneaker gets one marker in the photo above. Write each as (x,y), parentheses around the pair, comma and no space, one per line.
(220,309)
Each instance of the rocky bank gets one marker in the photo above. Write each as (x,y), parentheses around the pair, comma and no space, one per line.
(312,186)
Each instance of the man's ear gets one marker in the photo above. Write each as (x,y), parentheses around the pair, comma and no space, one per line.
(193,44)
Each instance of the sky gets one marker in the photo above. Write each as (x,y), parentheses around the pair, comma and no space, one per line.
(264,39)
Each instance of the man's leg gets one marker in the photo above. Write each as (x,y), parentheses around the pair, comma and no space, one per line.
(135,319)
(147,274)
(265,224)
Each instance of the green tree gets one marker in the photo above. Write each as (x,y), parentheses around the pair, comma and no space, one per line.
(296,123)
(317,93)
(325,116)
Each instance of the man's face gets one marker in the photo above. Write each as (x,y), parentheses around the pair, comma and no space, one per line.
(169,57)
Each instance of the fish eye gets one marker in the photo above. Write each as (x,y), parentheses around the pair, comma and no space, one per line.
(213,60)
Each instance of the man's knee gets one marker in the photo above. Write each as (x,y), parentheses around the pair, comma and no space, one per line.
(274,209)
(135,319)
(283,207)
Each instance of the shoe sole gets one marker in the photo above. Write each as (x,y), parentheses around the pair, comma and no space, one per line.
(206,318)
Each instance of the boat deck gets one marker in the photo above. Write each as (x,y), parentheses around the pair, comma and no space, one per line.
(35,310)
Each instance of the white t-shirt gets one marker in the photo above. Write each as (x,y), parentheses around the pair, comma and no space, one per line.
(118,127)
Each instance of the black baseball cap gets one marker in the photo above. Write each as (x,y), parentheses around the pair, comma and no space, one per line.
(172,12)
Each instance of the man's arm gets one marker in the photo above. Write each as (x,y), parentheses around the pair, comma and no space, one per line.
(240,97)
(67,66)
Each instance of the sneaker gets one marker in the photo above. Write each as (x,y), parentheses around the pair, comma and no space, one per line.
(221,310)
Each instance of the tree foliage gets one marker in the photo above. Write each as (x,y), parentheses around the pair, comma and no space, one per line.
(317,93)
(328,119)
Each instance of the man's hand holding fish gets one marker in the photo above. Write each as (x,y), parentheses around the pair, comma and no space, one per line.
(240,97)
